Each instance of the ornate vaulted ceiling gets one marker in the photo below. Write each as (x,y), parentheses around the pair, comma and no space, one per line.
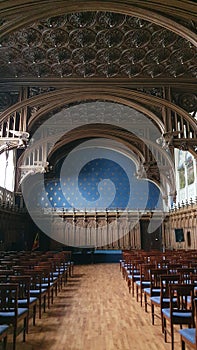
(96,44)
(142,54)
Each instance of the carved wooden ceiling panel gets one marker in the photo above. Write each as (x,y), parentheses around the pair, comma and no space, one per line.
(99,45)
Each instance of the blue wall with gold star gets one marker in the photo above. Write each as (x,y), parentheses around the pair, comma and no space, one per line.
(96,180)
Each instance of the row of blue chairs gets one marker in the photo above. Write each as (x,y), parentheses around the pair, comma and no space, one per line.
(169,287)
(25,286)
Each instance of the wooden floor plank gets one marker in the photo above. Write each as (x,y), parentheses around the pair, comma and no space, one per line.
(95,312)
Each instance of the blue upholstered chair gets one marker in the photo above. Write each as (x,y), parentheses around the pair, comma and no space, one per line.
(180,311)
(24,298)
(133,274)
(48,282)
(10,312)
(154,289)
(189,335)
(144,281)
(37,290)
(3,335)
(163,300)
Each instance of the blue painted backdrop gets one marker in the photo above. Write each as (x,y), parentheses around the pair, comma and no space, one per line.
(99,179)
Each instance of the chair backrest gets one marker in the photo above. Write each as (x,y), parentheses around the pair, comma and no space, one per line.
(165,282)
(145,270)
(155,276)
(182,300)
(185,273)
(135,269)
(23,282)
(45,273)
(7,273)
(174,267)
(193,278)
(9,297)
(35,279)
(4,278)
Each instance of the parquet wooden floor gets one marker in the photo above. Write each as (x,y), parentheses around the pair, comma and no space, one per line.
(95,312)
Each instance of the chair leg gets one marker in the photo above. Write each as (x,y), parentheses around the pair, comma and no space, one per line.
(137,290)
(172,336)
(162,322)
(133,287)
(5,342)
(182,345)
(34,315)
(56,288)
(152,314)
(44,303)
(164,329)
(141,293)
(14,337)
(40,307)
(129,285)
(145,302)
(49,299)
(27,325)
(52,295)
(24,328)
